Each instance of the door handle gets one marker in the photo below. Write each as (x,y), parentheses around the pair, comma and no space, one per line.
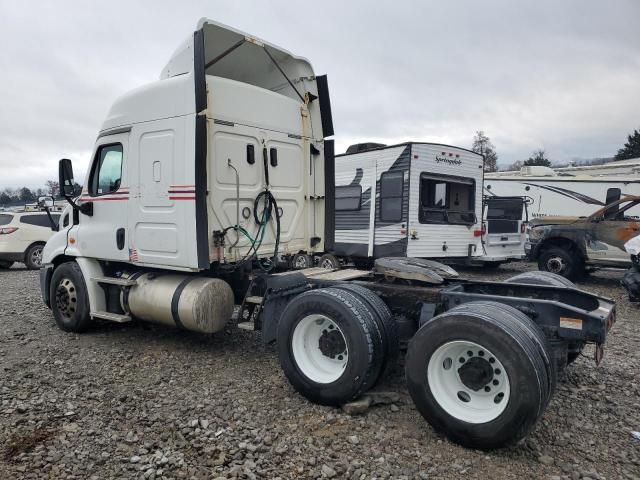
(120,238)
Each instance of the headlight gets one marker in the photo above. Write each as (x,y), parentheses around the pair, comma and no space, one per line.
(534,234)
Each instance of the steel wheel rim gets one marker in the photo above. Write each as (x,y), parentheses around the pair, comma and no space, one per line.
(36,257)
(300,262)
(319,348)
(462,394)
(555,265)
(327,264)
(66,298)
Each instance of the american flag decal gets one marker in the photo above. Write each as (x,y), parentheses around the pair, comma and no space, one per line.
(133,255)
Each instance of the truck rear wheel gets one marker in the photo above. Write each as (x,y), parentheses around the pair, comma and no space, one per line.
(547,278)
(542,278)
(330,346)
(328,261)
(486,381)
(69,300)
(301,261)
(562,262)
(386,323)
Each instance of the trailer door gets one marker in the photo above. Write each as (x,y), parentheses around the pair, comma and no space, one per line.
(504,226)
(392,205)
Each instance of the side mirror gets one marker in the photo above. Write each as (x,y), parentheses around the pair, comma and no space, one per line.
(65,177)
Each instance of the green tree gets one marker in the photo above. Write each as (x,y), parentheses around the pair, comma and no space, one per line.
(482,145)
(631,149)
(4,198)
(538,158)
(26,195)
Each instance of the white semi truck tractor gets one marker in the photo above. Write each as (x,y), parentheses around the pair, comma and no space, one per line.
(203,183)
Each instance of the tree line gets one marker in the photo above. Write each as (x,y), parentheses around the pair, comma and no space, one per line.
(482,145)
(13,196)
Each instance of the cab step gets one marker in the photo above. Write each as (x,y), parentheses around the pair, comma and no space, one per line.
(255,299)
(121,282)
(113,317)
(249,326)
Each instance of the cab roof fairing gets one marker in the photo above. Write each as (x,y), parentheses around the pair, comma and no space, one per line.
(246,63)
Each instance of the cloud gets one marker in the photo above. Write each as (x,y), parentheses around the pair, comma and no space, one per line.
(558,75)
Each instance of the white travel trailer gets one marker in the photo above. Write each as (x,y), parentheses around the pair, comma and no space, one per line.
(428,204)
(571,191)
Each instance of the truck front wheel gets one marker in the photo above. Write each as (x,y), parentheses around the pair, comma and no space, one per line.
(477,374)
(69,299)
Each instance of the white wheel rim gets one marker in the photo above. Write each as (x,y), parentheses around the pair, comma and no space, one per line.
(319,348)
(483,396)
(300,262)
(555,265)
(328,264)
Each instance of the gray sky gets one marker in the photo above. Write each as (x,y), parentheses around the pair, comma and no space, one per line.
(559,75)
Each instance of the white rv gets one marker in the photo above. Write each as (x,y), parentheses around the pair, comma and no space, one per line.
(571,191)
(428,204)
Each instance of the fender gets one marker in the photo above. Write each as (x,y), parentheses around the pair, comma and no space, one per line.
(555,234)
(91,269)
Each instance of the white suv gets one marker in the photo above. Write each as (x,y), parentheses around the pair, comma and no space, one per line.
(22,237)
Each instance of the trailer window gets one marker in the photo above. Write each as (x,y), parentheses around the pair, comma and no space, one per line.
(107,170)
(348,197)
(504,209)
(446,199)
(391,192)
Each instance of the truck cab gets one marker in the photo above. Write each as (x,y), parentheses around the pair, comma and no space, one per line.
(218,163)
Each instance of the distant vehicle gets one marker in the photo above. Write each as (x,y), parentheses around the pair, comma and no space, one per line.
(418,200)
(631,279)
(568,245)
(23,236)
(504,229)
(571,191)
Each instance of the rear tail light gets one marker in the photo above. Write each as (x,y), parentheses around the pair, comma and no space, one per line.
(7,230)
(478,232)
(523,227)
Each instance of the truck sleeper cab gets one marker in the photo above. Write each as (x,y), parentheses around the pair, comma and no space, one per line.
(201,181)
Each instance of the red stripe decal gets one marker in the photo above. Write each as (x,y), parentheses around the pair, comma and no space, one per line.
(182,198)
(182,191)
(103,199)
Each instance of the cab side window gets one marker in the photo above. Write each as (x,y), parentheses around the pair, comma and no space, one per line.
(106,173)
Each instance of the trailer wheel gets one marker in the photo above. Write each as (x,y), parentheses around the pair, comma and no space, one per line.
(69,300)
(301,261)
(478,375)
(328,261)
(4,264)
(547,278)
(560,261)
(386,322)
(330,346)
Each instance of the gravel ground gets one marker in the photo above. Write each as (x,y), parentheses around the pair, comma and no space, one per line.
(142,401)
